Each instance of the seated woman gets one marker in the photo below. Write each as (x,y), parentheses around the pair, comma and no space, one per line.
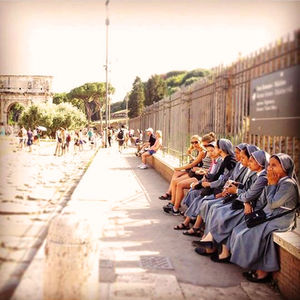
(181,184)
(237,174)
(223,219)
(240,174)
(242,182)
(213,169)
(253,248)
(153,149)
(182,173)
(212,186)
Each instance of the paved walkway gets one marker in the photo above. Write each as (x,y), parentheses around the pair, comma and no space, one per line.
(34,187)
(123,202)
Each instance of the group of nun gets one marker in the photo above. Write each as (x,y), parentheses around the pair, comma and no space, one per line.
(242,180)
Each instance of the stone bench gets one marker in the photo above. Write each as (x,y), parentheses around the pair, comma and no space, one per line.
(288,278)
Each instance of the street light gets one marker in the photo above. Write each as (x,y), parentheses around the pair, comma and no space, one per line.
(106,75)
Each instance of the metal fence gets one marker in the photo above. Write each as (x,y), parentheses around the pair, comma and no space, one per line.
(220,103)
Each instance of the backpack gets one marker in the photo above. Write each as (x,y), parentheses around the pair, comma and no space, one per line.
(121,135)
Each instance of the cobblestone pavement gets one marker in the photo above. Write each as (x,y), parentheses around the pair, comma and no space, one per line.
(33,188)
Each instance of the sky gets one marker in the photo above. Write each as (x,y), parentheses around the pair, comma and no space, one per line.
(66,38)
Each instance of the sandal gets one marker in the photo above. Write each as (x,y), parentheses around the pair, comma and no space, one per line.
(181,226)
(165,197)
(195,232)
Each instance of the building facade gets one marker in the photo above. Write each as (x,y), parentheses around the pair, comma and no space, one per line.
(25,90)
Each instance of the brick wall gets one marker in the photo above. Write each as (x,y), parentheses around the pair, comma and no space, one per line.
(288,278)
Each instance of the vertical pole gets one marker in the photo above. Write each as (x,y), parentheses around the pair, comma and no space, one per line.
(106,76)
(127,111)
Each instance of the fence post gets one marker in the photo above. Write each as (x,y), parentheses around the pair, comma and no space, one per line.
(71,265)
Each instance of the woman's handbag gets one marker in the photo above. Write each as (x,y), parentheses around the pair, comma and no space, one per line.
(229,198)
(255,218)
(259,217)
(236,204)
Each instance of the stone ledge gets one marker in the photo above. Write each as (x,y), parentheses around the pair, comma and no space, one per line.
(290,241)
(165,169)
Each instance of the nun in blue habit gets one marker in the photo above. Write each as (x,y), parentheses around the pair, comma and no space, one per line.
(253,248)
(223,219)
(246,179)
(227,166)
(225,149)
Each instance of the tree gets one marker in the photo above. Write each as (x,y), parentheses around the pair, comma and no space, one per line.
(120,105)
(52,116)
(155,90)
(66,98)
(92,92)
(136,98)
(14,113)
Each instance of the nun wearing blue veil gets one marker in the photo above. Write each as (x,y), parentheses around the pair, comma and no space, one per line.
(223,219)
(246,179)
(253,248)
(214,186)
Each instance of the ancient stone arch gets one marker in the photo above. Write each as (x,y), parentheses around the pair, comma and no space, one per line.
(25,90)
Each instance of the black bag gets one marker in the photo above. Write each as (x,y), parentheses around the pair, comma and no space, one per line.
(259,217)
(206,191)
(255,218)
(236,204)
(229,198)
(121,135)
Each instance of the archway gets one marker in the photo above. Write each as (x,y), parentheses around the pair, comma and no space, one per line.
(14,112)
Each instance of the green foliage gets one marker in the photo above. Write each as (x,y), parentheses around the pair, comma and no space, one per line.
(175,81)
(91,92)
(14,113)
(66,98)
(178,78)
(155,89)
(136,98)
(52,116)
(174,74)
(117,106)
(190,80)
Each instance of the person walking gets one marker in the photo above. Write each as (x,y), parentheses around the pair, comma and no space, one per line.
(121,138)
(29,139)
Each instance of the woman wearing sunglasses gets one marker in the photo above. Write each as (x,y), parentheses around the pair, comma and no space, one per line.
(182,173)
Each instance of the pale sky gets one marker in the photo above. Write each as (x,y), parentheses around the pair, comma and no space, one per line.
(66,38)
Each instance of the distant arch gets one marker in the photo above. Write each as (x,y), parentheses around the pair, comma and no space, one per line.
(14,111)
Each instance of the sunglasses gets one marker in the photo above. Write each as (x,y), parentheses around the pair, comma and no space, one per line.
(196,142)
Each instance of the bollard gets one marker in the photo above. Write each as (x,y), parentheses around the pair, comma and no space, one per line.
(71,264)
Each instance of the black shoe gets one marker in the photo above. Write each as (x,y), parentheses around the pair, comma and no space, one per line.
(197,244)
(208,245)
(253,278)
(216,258)
(202,251)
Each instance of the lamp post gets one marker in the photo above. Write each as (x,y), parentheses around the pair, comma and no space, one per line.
(106,76)
(127,111)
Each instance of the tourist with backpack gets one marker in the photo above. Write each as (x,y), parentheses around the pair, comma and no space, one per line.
(121,138)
